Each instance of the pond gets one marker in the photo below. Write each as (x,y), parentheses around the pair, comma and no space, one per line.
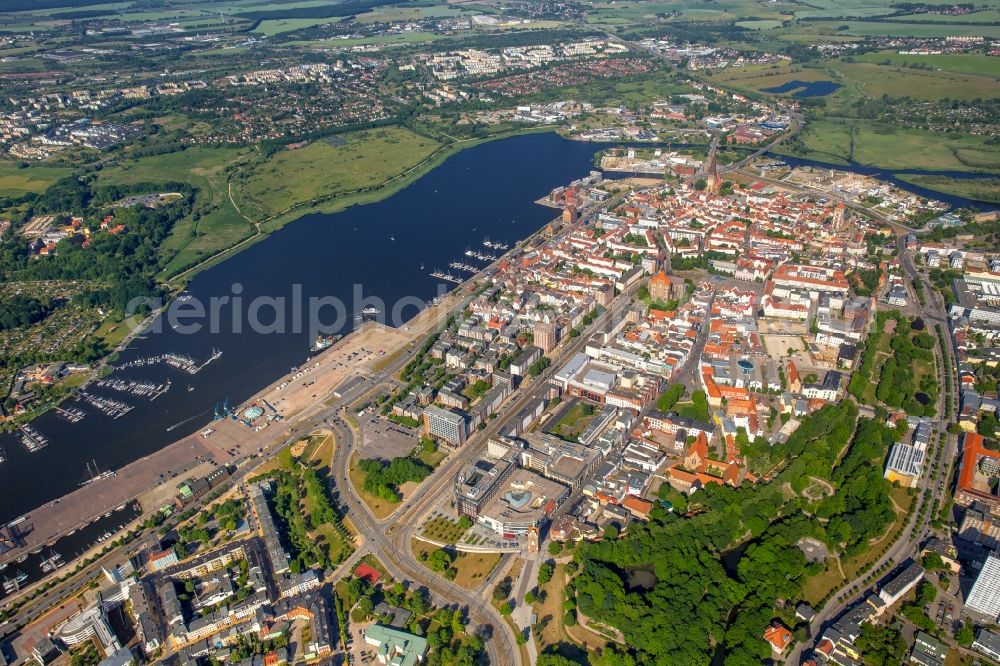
(640,578)
(805,88)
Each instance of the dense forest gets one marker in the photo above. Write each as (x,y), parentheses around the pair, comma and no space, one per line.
(721,567)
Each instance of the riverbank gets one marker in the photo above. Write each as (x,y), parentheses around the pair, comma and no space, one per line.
(152,480)
(986,190)
(336,202)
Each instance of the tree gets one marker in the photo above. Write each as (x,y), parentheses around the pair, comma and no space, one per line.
(440,560)
(545,572)
(555,547)
(553,659)
(965,635)
(529,597)
(506,608)
(881,646)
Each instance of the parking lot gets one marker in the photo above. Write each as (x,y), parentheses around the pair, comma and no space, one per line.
(382,438)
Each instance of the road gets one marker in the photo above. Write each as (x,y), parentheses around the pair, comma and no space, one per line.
(389,538)
(854,591)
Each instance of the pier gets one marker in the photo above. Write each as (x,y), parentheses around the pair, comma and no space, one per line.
(448,277)
(181,362)
(71,414)
(463,267)
(138,389)
(113,408)
(31,439)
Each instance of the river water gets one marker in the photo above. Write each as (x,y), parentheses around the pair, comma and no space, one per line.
(485,191)
(384,250)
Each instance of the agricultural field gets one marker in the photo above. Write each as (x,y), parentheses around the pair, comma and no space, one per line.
(759,77)
(414,37)
(641,13)
(961,63)
(986,16)
(325,168)
(887,29)
(271,27)
(876,80)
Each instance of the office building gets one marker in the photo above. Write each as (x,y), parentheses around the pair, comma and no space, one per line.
(985,595)
(477,483)
(446,424)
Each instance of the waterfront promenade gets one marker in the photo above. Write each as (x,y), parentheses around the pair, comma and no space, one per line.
(152,480)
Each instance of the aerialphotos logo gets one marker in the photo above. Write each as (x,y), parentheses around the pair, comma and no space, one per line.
(272,315)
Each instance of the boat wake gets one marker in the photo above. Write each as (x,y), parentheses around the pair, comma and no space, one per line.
(180,423)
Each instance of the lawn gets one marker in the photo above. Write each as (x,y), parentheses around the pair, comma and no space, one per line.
(430,458)
(550,614)
(472,567)
(574,421)
(325,168)
(443,530)
(15,182)
(112,332)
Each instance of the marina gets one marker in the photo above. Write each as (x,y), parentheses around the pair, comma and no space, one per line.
(481,256)
(447,277)
(13,583)
(182,362)
(137,388)
(52,562)
(113,408)
(31,439)
(463,267)
(71,414)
